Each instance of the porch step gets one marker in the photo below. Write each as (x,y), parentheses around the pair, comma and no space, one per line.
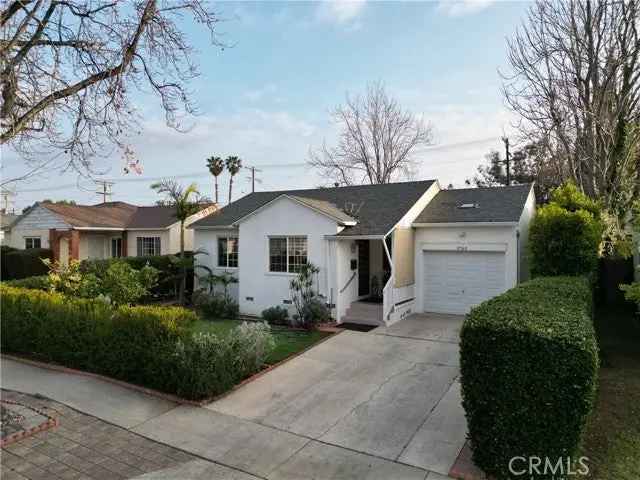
(364,313)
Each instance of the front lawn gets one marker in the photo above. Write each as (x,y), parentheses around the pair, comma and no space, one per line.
(288,341)
(612,441)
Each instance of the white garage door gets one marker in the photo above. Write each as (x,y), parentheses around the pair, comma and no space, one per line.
(456,281)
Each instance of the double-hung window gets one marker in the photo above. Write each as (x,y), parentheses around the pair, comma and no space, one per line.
(32,242)
(116,247)
(287,254)
(147,246)
(228,252)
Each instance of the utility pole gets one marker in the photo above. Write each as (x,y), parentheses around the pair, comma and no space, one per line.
(505,139)
(253,178)
(106,189)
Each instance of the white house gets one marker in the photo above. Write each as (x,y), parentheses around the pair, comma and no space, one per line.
(383,251)
(105,230)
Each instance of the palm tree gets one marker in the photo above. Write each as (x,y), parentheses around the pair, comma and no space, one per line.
(234,164)
(186,202)
(216,167)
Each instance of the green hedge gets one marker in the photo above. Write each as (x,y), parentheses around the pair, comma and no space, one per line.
(41,282)
(148,346)
(25,263)
(168,277)
(529,363)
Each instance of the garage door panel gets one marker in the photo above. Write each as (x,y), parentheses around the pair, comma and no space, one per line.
(456,281)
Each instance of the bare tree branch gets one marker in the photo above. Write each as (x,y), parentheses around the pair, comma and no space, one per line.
(68,69)
(377,141)
(575,82)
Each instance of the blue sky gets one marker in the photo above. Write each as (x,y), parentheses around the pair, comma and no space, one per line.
(267,98)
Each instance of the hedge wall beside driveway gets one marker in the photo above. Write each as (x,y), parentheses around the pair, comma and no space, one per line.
(529,363)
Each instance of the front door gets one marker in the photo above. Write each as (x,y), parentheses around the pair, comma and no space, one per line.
(363,267)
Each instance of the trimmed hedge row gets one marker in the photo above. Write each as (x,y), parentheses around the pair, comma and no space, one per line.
(148,346)
(529,363)
(24,263)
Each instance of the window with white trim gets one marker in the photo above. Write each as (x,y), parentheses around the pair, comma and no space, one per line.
(287,254)
(147,246)
(228,252)
(32,242)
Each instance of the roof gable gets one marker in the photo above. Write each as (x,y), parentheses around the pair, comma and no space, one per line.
(375,208)
(482,205)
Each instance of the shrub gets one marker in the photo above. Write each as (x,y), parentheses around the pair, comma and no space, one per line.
(215,305)
(206,364)
(41,282)
(168,271)
(26,263)
(276,315)
(4,250)
(118,283)
(565,235)
(309,306)
(632,292)
(529,363)
(129,343)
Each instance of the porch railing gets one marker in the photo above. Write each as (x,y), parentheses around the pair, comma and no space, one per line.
(387,299)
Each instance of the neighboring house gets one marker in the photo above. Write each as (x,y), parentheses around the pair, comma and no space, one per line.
(383,251)
(6,221)
(112,229)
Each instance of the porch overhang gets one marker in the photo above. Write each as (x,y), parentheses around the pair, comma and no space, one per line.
(354,237)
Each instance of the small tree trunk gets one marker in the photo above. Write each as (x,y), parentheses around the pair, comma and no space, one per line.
(230,187)
(183,280)
(216,189)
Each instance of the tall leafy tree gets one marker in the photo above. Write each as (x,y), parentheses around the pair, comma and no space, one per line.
(186,201)
(216,167)
(528,164)
(234,164)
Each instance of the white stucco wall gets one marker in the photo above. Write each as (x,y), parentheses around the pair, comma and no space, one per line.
(207,240)
(281,217)
(467,236)
(528,213)
(343,251)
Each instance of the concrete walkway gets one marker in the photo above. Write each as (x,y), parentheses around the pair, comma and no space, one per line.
(360,405)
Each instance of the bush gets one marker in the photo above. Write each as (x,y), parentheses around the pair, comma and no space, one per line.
(168,272)
(276,315)
(215,305)
(129,343)
(314,311)
(26,263)
(41,282)
(208,364)
(4,250)
(118,283)
(529,363)
(149,346)
(565,235)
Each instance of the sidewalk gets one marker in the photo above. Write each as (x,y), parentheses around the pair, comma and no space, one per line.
(243,446)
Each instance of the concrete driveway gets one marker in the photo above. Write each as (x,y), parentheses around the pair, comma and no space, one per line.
(392,393)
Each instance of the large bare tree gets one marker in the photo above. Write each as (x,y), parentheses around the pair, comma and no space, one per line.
(377,141)
(575,82)
(69,68)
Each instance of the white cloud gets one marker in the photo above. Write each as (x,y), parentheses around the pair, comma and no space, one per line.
(455,8)
(341,12)
(258,94)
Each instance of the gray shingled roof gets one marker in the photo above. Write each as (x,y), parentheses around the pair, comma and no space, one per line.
(494,204)
(376,208)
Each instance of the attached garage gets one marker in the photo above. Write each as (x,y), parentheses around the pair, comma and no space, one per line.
(470,245)
(456,281)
